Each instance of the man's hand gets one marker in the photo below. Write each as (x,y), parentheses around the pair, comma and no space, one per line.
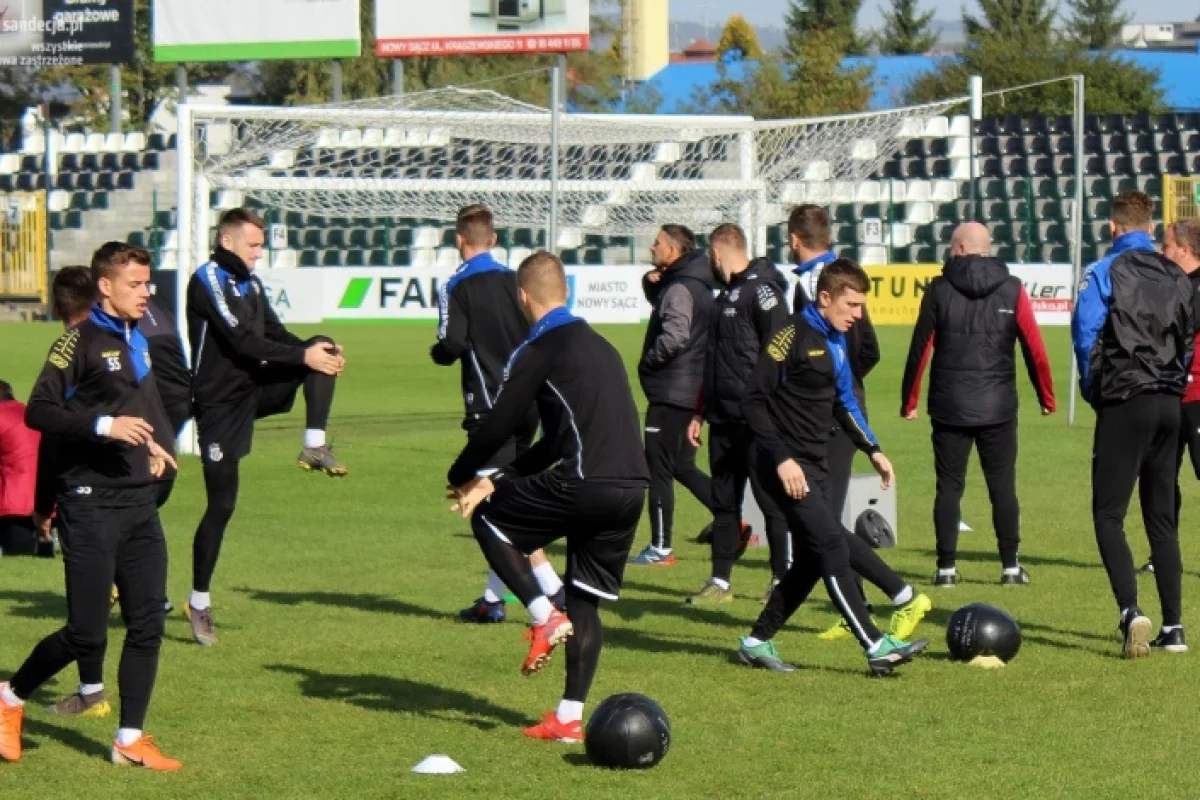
(43,527)
(884,468)
(911,415)
(654,276)
(324,358)
(792,477)
(1046,411)
(470,495)
(693,431)
(131,430)
(160,459)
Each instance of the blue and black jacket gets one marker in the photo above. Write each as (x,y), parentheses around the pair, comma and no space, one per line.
(1133,322)
(800,388)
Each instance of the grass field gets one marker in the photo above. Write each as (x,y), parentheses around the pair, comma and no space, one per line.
(341,666)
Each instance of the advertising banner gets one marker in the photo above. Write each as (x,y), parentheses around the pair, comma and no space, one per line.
(47,33)
(295,294)
(236,30)
(480,27)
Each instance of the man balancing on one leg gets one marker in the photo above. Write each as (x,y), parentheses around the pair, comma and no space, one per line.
(584,480)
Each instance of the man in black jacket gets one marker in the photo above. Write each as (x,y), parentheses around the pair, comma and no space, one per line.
(972,317)
(584,480)
(752,305)
(246,365)
(670,370)
(1132,331)
(97,393)
(480,324)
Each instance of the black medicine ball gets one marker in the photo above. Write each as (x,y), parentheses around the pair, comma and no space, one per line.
(627,731)
(873,529)
(982,630)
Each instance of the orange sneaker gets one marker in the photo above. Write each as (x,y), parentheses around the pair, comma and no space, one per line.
(551,729)
(543,639)
(143,753)
(10,729)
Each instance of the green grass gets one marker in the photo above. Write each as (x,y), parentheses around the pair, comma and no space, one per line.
(340,665)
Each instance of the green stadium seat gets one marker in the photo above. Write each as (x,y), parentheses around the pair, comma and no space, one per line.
(309,258)
(844,215)
(1048,210)
(902,255)
(379,258)
(293,219)
(925,254)
(1021,232)
(401,258)
(356,258)
(994,210)
(1001,232)
(99,200)
(592,256)
(1006,253)
(359,238)
(313,238)
(331,258)
(992,189)
(336,237)
(569,257)
(1059,254)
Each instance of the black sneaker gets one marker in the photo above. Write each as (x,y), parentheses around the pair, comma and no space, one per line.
(1171,641)
(705,535)
(1147,568)
(945,581)
(1018,578)
(483,611)
(1135,634)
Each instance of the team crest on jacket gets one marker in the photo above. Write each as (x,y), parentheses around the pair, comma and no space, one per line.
(780,343)
(766,298)
(64,349)
(733,296)
(214,453)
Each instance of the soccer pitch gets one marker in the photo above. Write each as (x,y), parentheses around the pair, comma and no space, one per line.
(341,664)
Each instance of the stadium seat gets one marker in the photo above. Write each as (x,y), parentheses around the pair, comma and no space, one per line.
(309,258)
(356,258)
(332,258)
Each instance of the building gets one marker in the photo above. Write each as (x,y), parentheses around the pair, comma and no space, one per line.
(1167,36)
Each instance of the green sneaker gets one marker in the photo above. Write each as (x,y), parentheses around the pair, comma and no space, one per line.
(892,652)
(711,594)
(906,618)
(762,656)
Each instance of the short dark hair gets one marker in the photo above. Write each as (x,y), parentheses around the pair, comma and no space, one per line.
(811,225)
(728,233)
(841,276)
(1132,210)
(236,217)
(1187,234)
(72,292)
(542,276)
(476,225)
(682,236)
(6,392)
(112,256)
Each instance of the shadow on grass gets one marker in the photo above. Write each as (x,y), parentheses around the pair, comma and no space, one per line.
(386,693)
(36,605)
(65,736)
(577,759)
(361,602)
(630,609)
(990,557)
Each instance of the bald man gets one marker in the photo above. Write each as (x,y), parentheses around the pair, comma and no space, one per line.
(971,318)
(584,480)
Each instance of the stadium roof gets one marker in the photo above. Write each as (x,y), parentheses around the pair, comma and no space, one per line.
(678,84)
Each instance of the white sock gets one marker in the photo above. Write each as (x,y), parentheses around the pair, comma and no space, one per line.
(1169,628)
(569,711)
(905,596)
(871,650)
(947,570)
(547,578)
(200,600)
(750,641)
(724,584)
(127,736)
(91,688)
(495,590)
(10,699)
(662,551)
(314,437)
(1012,570)
(540,610)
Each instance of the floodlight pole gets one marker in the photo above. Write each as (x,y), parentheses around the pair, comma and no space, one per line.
(1076,232)
(398,77)
(556,80)
(181,82)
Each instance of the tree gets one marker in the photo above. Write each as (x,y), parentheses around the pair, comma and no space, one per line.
(738,40)
(906,31)
(1096,24)
(1027,20)
(806,16)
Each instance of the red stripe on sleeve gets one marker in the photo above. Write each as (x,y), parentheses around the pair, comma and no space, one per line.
(1035,352)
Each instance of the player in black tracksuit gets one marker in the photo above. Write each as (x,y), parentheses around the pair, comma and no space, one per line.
(671,370)
(97,398)
(799,387)
(246,365)
(480,324)
(584,480)
(752,305)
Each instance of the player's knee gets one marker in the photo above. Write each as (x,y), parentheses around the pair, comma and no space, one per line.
(83,643)
(320,339)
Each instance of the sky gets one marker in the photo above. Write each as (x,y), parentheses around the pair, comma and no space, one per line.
(770,12)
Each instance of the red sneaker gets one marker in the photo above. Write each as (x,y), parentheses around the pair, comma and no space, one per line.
(552,730)
(744,537)
(10,729)
(543,639)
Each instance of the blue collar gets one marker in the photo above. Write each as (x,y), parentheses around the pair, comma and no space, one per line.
(808,266)
(555,319)
(127,330)
(820,324)
(475,265)
(1134,240)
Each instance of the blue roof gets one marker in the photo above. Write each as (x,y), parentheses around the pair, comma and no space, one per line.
(678,84)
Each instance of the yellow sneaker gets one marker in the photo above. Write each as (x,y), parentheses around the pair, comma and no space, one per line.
(906,618)
(839,630)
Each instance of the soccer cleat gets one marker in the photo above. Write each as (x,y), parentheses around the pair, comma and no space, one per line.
(705,535)
(1171,641)
(906,618)
(1018,578)
(762,656)
(650,556)
(483,611)
(92,705)
(321,459)
(1135,634)
(113,596)
(745,534)
(167,607)
(543,639)
(766,598)
(892,652)
(711,594)
(143,753)
(10,729)
(945,581)
(1147,568)
(839,630)
(552,730)
(203,629)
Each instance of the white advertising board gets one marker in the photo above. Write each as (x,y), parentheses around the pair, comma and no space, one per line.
(406,28)
(235,30)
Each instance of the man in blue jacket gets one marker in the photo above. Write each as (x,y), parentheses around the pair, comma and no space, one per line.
(1132,334)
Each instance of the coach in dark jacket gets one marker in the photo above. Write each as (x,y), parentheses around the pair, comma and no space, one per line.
(971,318)
(671,371)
